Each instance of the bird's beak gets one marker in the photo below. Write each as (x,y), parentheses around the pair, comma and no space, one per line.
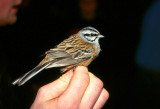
(100,36)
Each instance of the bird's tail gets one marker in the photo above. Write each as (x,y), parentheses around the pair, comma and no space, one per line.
(23,79)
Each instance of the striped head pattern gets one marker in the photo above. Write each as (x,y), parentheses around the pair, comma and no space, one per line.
(90,35)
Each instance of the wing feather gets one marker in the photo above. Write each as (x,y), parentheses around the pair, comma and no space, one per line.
(70,51)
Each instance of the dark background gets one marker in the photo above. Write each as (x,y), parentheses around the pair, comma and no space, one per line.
(43,24)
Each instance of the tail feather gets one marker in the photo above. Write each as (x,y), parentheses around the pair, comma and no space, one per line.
(20,81)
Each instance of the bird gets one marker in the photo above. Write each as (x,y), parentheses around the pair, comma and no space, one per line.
(79,49)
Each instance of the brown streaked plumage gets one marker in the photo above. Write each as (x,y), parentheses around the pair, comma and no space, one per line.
(78,50)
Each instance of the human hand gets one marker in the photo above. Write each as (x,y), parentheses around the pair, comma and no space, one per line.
(73,90)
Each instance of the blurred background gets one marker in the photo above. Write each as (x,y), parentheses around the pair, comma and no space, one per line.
(129,64)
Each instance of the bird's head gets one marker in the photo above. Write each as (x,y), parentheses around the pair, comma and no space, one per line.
(90,35)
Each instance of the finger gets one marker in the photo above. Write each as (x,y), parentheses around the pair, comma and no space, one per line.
(77,86)
(55,88)
(92,93)
(102,99)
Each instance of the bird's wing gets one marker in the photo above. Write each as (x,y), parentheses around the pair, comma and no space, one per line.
(70,53)
(65,58)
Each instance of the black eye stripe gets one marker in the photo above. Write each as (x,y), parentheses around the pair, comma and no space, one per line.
(86,34)
(92,34)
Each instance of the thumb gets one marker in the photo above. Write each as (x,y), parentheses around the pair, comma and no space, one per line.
(55,88)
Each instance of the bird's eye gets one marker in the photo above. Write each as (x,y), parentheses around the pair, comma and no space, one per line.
(92,34)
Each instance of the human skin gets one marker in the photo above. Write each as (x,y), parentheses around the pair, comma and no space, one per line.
(8,11)
(77,89)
